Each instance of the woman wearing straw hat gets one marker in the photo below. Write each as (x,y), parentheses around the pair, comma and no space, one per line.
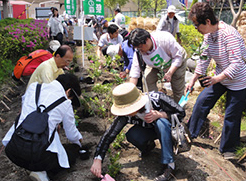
(132,106)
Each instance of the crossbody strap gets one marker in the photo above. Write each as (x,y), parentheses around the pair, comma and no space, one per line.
(54,104)
(38,88)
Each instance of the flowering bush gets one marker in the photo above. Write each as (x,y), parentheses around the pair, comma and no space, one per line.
(19,38)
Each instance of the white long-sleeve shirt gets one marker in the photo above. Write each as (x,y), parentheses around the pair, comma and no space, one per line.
(62,113)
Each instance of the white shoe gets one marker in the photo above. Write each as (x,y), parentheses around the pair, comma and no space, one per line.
(39,176)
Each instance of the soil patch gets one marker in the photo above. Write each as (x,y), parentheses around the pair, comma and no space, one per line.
(202,162)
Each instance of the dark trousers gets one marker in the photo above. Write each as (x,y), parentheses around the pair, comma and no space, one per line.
(58,37)
(235,103)
(140,136)
(49,161)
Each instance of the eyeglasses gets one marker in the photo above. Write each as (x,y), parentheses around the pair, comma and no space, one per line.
(196,25)
(67,62)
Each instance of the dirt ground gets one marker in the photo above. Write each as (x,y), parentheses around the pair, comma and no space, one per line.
(202,163)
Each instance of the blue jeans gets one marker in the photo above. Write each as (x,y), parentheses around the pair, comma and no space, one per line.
(139,137)
(235,103)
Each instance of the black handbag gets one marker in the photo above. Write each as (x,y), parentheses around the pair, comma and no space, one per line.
(181,135)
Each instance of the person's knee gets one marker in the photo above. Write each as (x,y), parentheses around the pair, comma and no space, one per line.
(163,124)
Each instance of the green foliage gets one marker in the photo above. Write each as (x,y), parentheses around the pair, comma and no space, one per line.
(190,36)
(161,73)
(128,20)
(77,120)
(240,151)
(19,38)
(7,21)
(216,124)
(221,103)
(198,50)
(118,140)
(102,89)
(243,125)
(98,107)
(193,2)
(94,70)
(6,68)
(115,166)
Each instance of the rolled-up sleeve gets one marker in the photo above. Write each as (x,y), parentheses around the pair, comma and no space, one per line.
(135,69)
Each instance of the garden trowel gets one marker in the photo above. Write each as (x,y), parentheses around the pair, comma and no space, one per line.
(184,99)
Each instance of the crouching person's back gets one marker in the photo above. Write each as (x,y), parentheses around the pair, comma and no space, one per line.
(33,141)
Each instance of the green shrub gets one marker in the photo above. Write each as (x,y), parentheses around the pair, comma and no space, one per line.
(6,68)
(189,36)
(19,38)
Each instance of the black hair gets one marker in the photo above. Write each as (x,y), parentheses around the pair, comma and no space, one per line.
(138,36)
(62,50)
(50,50)
(68,81)
(104,50)
(117,10)
(54,8)
(112,28)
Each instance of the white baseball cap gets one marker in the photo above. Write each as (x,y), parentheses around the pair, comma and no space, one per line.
(171,9)
(113,50)
(54,45)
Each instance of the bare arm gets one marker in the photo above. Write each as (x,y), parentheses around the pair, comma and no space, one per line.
(133,80)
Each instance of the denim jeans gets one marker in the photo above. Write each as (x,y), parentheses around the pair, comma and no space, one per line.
(235,103)
(139,137)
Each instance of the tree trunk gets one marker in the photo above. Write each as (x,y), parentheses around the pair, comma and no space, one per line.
(235,15)
(5,9)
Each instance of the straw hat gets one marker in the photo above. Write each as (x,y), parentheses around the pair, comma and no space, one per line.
(127,99)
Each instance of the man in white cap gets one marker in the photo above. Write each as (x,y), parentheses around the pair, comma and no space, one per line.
(49,70)
(170,23)
(150,117)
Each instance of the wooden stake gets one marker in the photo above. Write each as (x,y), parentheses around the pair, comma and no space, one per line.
(242,157)
(22,81)
(14,84)
(11,90)
(5,105)
(2,120)
(7,98)
(217,139)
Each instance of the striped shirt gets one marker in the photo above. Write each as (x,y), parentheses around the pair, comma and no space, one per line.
(226,47)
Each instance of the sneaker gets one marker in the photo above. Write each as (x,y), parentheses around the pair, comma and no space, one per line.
(229,155)
(150,146)
(167,174)
(39,176)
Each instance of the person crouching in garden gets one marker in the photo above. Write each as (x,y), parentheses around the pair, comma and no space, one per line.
(132,106)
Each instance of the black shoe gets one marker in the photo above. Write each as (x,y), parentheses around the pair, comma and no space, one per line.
(150,146)
(167,174)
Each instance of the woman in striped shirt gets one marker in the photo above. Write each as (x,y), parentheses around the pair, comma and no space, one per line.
(226,46)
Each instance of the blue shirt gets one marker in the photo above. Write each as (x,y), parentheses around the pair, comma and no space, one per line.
(127,54)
